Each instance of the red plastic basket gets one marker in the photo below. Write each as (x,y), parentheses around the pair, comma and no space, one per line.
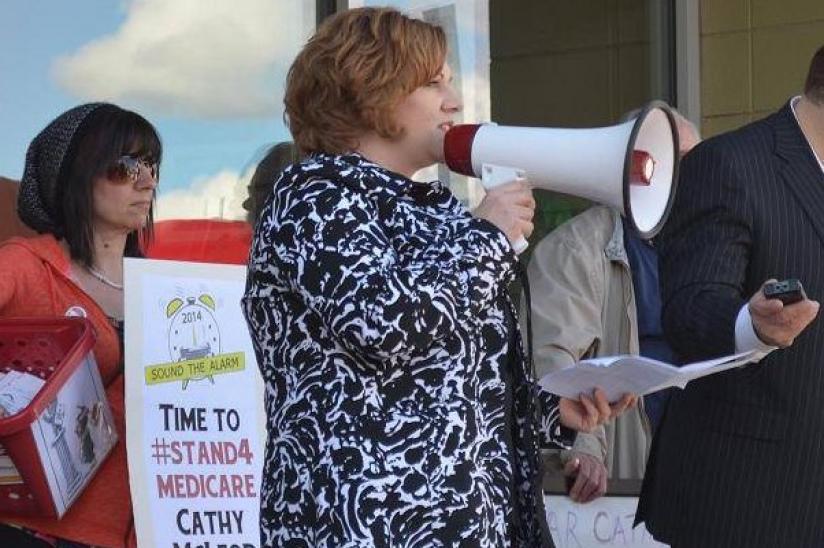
(51,349)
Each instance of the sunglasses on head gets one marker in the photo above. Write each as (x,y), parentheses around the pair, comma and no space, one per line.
(128,167)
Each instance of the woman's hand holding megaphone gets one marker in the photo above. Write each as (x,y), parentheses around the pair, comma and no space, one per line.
(510,207)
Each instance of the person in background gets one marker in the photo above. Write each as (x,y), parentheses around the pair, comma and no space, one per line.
(401,410)
(595,293)
(737,458)
(88,189)
(266,173)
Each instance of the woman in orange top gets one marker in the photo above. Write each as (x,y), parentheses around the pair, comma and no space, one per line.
(88,190)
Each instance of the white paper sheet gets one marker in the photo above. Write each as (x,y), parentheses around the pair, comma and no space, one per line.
(618,375)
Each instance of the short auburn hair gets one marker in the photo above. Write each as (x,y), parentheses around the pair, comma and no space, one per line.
(814,86)
(350,75)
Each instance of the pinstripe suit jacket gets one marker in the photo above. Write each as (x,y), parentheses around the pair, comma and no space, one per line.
(739,458)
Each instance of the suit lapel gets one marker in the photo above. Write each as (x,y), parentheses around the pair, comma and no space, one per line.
(800,171)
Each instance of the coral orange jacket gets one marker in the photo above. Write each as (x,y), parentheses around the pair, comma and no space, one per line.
(35,281)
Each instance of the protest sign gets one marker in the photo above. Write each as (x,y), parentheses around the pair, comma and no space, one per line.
(194,406)
(606,521)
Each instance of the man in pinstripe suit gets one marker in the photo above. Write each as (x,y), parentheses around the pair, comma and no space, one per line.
(739,458)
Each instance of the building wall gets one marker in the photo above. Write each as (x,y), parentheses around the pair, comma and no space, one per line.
(558,63)
(10,223)
(754,56)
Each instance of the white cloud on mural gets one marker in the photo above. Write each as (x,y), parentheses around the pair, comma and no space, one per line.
(219,196)
(192,57)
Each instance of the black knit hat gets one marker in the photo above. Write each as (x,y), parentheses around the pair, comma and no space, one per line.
(37,197)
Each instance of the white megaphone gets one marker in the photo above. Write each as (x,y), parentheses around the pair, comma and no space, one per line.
(631,166)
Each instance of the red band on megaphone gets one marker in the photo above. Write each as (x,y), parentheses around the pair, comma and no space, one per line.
(457,148)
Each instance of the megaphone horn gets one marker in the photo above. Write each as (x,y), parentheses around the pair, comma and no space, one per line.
(631,166)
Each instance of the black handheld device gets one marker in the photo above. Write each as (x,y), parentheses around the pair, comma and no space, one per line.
(788,291)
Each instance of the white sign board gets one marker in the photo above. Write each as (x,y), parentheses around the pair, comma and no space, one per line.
(604,522)
(194,406)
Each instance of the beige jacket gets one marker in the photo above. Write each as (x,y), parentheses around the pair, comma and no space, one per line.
(583,305)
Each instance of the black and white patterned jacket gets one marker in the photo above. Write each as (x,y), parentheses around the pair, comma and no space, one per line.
(395,380)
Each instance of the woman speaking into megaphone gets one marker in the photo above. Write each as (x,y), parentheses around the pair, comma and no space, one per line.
(400,407)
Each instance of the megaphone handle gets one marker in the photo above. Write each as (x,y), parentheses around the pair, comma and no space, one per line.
(520,245)
(494,175)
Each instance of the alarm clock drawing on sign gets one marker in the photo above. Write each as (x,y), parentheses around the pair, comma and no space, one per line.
(193,331)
